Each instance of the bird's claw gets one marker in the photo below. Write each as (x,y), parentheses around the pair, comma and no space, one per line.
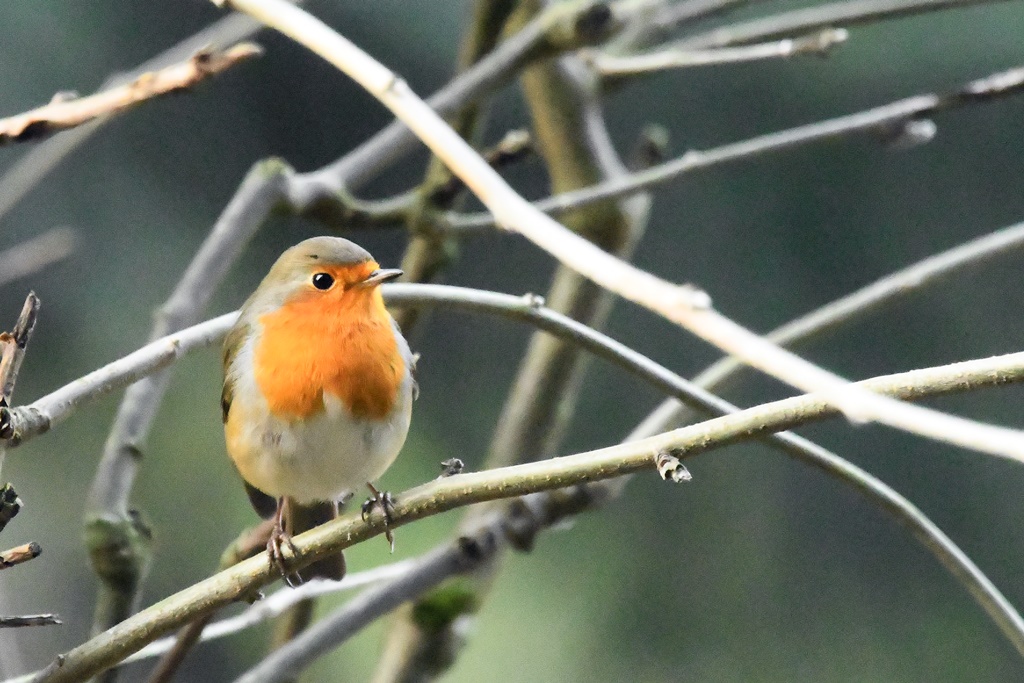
(386,502)
(279,538)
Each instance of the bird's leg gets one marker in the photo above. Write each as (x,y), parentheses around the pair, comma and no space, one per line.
(279,537)
(386,502)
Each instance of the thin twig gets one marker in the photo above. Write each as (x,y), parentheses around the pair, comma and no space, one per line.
(809,19)
(14,345)
(30,620)
(847,310)
(882,119)
(553,32)
(68,112)
(287,662)
(28,171)
(428,254)
(683,305)
(117,539)
(278,603)
(442,494)
(528,309)
(563,97)
(20,554)
(24,422)
(817,44)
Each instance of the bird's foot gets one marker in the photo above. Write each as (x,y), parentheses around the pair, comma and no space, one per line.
(279,538)
(386,502)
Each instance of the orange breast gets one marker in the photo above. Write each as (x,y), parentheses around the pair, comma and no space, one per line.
(339,343)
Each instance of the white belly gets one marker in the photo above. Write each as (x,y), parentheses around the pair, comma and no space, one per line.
(324,457)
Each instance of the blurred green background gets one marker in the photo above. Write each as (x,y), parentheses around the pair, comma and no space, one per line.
(758,570)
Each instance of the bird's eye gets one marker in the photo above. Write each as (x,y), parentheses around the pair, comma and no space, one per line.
(323,281)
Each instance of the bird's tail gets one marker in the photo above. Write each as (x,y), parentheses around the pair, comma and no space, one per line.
(299,518)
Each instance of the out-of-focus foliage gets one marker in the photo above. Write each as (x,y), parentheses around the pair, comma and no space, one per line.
(759,569)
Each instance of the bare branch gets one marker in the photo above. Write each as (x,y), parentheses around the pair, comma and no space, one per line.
(28,171)
(683,305)
(818,44)
(849,309)
(117,538)
(24,422)
(553,32)
(67,112)
(278,603)
(448,493)
(288,661)
(20,554)
(883,119)
(809,19)
(14,345)
(30,620)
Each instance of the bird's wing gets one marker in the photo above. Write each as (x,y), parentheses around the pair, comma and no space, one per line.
(408,356)
(232,343)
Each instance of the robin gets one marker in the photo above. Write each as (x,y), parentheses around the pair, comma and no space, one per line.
(318,389)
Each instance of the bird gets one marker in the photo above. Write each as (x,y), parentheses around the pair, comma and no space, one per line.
(318,391)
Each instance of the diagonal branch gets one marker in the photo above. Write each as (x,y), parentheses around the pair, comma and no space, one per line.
(68,112)
(117,538)
(683,305)
(831,15)
(113,645)
(847,310)
(885,120)
(28,171)
(817,44)
(13,346)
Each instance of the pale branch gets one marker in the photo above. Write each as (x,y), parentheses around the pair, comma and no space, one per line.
(563,27)
(440,495)
(849,309)
(563,98)
(884,120)
(809,19)
(427,254)
(12,352)
(816,44)
(20,554)
(68,111)
(683,305)
(278,603)
(529,309)
(35,254)
(654,27)
(24,422)
(428,572)
(117,538)
(30,620)
(519,523)
(21,423)
(28,171)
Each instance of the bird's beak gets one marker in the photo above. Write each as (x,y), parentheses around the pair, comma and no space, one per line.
(380,276)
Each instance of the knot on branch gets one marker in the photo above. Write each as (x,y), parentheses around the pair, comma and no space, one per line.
(583,24)
(593,24)
(119,549)
(23,553)
(438,610)
(671,469)
(10,505)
